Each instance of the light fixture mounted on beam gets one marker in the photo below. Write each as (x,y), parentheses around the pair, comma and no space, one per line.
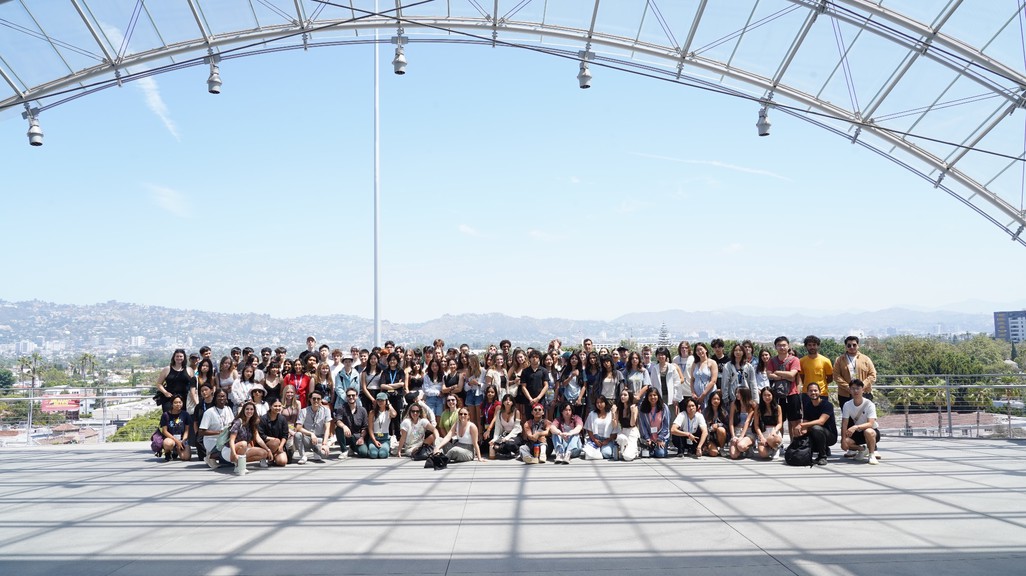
(763,125)
(35,133)
(214,80)
(399,62)
(584,75)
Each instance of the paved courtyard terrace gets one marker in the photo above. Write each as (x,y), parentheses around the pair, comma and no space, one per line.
(932,506)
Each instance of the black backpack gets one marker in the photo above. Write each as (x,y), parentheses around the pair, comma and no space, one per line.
(799,452)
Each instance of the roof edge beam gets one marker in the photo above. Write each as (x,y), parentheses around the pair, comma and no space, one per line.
(795,45)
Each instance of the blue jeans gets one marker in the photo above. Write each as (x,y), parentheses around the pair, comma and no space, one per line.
(435,403)
(382,452)
(571,446)
(609,450)
(350,443)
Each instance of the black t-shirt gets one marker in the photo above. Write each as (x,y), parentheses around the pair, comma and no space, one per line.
(814,412)
(533,380)
(277,428)
(176,423)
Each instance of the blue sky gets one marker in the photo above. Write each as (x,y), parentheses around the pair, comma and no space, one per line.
(505,188)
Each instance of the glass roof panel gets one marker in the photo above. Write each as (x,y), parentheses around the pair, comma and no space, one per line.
(175,22)
(223,16)
(762,48)
(922,11)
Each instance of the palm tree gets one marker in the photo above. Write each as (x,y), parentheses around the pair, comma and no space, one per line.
(935,393)
(904,394)
(979,398)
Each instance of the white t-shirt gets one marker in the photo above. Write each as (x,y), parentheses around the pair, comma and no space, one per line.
(600,426)
(865,411)
(215,420)
(414,435)
(692,425)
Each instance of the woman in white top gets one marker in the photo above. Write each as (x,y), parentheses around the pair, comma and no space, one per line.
(689,431)
(379,421)
(601,435)
(762,372)
(416,432)
(465,434)
(434,378)
(242,387)
(506,431)
(370,382)
(684,361)
(703,374)
(627,435)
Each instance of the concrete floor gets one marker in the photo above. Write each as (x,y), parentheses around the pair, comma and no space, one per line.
(933,506)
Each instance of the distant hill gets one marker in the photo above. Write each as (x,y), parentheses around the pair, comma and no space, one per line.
(112,326)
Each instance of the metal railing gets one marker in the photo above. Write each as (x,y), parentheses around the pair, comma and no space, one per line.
(952,405)
(101,411)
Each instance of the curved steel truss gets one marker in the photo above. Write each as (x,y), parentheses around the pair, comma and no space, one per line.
(930,85)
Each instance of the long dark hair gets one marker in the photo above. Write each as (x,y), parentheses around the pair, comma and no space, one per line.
(622,408)
(646,403)
(568,367)
(210,369)
(185,358)
(713,414)
(773,403)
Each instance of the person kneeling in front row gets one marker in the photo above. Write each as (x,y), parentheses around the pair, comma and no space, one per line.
(858,424)
(819,423)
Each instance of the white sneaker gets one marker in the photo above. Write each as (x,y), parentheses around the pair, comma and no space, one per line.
(344,455)
(877,455)
(530,460)
(302,460)
(873,460)
(212,462)
(850,454)
(263,462)
(863,454)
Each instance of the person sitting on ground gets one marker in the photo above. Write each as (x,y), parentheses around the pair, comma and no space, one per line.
(244,441)
(274,429)
(379,423)
(742,424)
(464,432)
(505,443)
(535,435)
(175,425)
(769,420)
(654,424)
(312,430)
(601,430)
(689,431)
(628,434)
(351,423)
(716,419)
(415,432)
(818,422)
(215,419)
(566,434)
(859,430)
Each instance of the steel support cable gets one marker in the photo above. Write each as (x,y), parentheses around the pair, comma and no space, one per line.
(760,22)
(129,31)
(842,51)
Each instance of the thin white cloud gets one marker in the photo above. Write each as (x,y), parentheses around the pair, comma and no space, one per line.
(170,201)
(716,164)
(575,180)
(148,85)
(464,229)
(156,104)
(733,248)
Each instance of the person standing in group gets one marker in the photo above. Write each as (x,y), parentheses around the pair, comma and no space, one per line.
(173,381)
(783,374)
(815,368)
(473,387)
(534,382)
(704,374)
(394,385)
(736,374)
(852,365)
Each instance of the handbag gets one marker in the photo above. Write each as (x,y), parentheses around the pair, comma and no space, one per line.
(157,443)
(437,461)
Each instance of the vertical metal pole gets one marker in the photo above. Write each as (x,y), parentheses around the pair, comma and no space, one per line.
(103,424)
(377,192)
(947,397)
(32,390)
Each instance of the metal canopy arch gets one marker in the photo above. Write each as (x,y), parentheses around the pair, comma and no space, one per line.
(940,93)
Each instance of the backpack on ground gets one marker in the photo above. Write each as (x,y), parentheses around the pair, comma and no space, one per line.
(799,452)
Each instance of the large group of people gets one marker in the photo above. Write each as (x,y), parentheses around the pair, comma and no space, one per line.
(532,405)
